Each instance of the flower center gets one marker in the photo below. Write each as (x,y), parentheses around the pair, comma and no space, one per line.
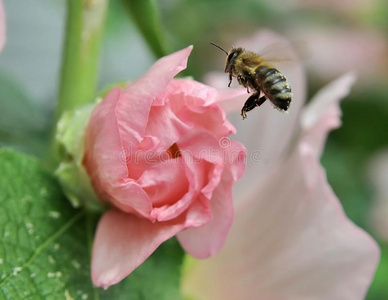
(173,151)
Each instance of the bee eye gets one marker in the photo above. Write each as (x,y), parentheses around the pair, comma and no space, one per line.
(232,55)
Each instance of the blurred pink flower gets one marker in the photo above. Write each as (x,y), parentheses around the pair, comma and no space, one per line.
(355,10)
(334,51)
(340,6)
(378,175)
(2,26)
(290,238)
(158,152)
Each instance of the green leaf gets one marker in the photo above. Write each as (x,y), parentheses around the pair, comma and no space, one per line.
(41,253)
(44,252)
(146,16)
(378,289)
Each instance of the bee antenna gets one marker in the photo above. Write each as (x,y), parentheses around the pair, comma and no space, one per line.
(215,45)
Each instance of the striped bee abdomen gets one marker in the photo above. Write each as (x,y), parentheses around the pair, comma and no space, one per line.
(275,86)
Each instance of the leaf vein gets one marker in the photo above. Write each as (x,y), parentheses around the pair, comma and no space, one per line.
(47,242)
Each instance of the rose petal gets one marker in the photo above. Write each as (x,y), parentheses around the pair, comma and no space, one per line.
(139,96)
(235,157)
(150,151)
(130,197)
(123,242)
(157,182)
(192,147)
(195,105)
(206,240)
(197,174)
(166,126)
(211,119)
(202,92)
(109,172)
(188,88)
(102,131)
(111,125)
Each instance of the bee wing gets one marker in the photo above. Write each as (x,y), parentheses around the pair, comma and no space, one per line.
(252,61)
(284,52)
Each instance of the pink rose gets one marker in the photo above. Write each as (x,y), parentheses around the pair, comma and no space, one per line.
(158,152)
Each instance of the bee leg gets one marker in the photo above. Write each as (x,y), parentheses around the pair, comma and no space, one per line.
(261,101)
(251,103)
(240,80)
(230,79)
(243,81)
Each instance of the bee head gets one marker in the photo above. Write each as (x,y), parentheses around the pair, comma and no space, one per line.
(230,60)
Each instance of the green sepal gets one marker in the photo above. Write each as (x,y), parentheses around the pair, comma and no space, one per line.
(71,174)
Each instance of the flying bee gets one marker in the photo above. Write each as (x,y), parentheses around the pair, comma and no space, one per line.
(254,73)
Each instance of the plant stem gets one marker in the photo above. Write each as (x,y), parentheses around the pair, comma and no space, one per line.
(84,30)
(81,52)
(145,14)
